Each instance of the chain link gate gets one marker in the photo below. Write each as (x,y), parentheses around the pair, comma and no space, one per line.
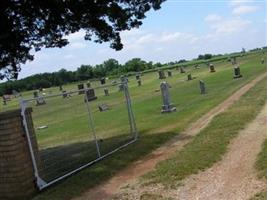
(65,147)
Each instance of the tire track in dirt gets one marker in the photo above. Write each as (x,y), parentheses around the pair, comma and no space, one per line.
(147,163)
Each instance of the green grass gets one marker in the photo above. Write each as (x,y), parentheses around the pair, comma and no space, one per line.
(211,143)
(68,128)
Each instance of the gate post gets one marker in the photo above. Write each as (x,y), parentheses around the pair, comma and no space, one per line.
(17,180)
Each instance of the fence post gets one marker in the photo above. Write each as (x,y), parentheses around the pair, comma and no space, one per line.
(17,180)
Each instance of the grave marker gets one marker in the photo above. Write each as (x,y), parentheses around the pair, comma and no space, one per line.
(35,94)
(212,69)
(139,82)
(64,94)
(167,106)
(262,61)
(169,73)
(88,84)
(60,88)
(234,61)
(90,94)
(80,87)
(161,74)
(182,70)
(103,81)
(106,92)
(137,76)
(189,77)
(237,73)
(103,107)
(202,87)
(40,101)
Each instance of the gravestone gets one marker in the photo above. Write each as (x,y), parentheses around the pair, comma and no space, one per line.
(189,77)
(234,61)
(212,69)
(40,101)
(64,94)
(106,92)
(167,105)
(60,88)
(196,66)
(90,94)
(182,70)
(35,94)
(103,81)
(103,107)
(4,101)
(88,84)
(202,87)
(237,73)
(81,87)
(161,74)
(262,61)
(169,73)
(139,82)
(137,76)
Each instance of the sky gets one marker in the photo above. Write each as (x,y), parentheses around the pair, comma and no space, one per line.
(179,30)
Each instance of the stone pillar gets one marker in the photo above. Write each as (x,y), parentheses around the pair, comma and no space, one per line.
(237,73)
(169,73)
(17,179)
(202,87)
(167,105)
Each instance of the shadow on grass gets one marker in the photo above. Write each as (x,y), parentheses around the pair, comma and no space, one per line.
(101,171)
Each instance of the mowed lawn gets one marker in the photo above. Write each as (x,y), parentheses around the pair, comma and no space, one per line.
(68,127)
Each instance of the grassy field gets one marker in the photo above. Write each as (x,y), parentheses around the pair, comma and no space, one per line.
(69,135)
(211,143)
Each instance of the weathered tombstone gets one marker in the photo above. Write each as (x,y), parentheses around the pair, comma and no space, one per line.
(90,94)
(212,69)
(60,88)
(262,61)
(189,77)
(161,74)
(88,84)
(35,94)
(81,87)
(64,94)
(40,101)
(167,105)
(182,70)
(103,107)
(234,61)
(106,92)
(139,82)
(103,81)
(202,87)
(137,76)
(169,73)
(237,73)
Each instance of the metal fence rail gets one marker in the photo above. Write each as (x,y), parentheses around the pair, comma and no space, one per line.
(73,133)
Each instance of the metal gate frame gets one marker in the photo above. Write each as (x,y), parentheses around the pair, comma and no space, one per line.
(41,184)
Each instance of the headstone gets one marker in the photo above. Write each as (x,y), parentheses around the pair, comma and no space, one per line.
(262,61)
(137,76)
(88,84)
(64,94)
(103,81)
(182,70)
(139,82)
(40,101)
(106,92)
(103,107)
(90,94)
(169,73)
(35,94)
(4,101)
(212,69)
(60,88)
(161,74)
(81,87)
(202,87)
(234,61)
(167,105)
(189,77)
(237,73)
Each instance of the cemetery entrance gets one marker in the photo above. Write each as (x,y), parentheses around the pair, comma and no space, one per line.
(75,129)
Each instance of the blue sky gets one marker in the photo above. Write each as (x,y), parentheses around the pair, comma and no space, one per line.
(179,30)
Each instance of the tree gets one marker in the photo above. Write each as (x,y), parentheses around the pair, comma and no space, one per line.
(33,24)
(135,65)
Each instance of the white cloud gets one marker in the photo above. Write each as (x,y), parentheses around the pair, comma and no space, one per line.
(244,9)
(239,2)
(230,26)
(76,45)
(213,18)
(76,36)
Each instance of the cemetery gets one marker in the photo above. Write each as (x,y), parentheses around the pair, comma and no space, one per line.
(66,119)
